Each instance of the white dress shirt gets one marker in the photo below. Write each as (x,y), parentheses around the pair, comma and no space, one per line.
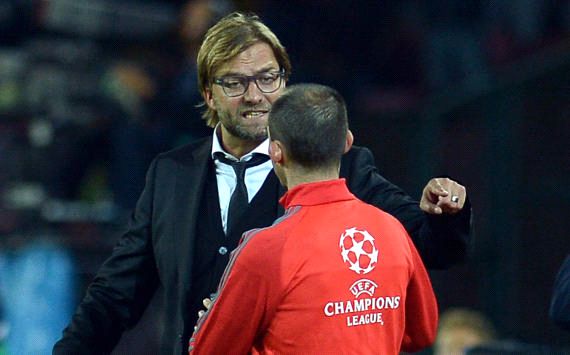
(226,177)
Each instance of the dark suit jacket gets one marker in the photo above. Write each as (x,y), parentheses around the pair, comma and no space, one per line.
(560,304)
(158,246)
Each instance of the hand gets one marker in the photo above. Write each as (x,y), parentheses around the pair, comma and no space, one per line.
(443,196)
(207,302)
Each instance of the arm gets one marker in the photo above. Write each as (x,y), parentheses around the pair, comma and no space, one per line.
(441,239)
(120,291)
(241,310)
(421,308)
(560,305)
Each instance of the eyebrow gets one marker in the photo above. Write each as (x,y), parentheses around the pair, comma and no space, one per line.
(261,71)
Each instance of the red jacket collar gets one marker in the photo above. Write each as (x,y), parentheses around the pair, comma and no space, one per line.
(316,193)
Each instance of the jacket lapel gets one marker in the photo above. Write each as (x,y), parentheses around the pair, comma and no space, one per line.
(190,181)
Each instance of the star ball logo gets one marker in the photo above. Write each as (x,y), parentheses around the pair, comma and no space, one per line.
(358,250)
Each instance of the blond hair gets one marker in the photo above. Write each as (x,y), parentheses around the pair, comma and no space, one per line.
(463,318)
(229,37)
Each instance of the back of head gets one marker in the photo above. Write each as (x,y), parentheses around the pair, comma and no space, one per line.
(311,121)
(461,328)
(229,37)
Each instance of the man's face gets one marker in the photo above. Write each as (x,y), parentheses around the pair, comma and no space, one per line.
(245,117)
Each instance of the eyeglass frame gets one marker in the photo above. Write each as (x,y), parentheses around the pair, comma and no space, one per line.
(249,79)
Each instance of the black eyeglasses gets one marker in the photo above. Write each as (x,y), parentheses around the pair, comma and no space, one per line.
(236,85)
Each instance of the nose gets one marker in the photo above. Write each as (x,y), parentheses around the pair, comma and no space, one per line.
(253,94)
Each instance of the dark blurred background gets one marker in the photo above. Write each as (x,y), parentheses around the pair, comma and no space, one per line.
(92,90)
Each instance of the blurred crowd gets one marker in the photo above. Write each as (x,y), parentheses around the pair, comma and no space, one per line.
(92,90)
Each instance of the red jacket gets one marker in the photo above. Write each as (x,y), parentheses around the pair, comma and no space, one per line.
(333,275)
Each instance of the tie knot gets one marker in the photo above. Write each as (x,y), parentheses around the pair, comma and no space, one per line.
(256,159)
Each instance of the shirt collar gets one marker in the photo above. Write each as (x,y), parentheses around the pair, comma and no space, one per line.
(317,193)
(262,148)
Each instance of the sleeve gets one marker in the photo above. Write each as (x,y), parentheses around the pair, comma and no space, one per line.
(560,304)
(442,240)
(421,308)
(121,290)
(242,309)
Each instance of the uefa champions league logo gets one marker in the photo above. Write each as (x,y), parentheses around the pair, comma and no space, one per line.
(358,250)
(359,253)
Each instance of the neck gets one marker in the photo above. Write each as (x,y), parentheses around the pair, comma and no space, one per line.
(300,175)
(236,146)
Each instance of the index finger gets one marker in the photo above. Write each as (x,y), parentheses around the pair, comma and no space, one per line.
(436,188)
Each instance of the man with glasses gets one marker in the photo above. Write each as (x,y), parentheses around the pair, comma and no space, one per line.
(200,198)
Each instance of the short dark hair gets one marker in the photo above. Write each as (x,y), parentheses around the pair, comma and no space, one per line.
(311,121)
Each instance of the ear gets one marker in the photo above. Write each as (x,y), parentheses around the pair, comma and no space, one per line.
(349,141)
(276,152)
(209,98)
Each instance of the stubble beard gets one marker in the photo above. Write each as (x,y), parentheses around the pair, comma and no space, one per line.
(232,124)
(259,134)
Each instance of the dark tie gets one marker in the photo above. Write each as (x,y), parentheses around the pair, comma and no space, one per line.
(239,198)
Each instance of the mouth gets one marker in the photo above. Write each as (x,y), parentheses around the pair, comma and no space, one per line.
(253,114)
